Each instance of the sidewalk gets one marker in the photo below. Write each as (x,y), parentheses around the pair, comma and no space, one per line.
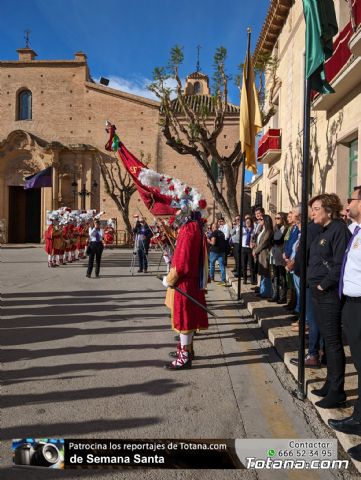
(21,245)
(276,324)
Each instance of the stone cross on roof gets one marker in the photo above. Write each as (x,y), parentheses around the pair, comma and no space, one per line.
(27,40)
(198,67)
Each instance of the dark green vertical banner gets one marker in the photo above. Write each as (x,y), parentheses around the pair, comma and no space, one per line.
(321,27)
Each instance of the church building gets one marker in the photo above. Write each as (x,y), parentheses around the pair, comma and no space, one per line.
(52,114)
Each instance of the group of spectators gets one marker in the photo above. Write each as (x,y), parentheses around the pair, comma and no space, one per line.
(261,253)
(333,286)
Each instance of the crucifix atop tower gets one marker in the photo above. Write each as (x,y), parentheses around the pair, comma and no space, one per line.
(198,68)
(27,39)
(26,53)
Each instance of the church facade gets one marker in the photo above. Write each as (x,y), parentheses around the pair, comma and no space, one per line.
(53,114)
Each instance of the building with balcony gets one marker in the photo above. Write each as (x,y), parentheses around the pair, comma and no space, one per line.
(335,118)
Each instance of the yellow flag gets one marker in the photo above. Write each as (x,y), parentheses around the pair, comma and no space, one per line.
(250,116)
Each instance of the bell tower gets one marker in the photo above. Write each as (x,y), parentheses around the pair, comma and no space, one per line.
(197,83)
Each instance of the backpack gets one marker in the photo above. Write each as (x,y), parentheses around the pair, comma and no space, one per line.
(221,243)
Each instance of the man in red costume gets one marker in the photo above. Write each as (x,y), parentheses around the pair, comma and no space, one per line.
(188,274)
(52,239)
(49,244)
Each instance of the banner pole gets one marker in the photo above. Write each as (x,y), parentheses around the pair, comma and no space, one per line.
(243,179)
(304,223)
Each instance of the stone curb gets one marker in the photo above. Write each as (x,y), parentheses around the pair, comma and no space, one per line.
(276,325)
(11,246)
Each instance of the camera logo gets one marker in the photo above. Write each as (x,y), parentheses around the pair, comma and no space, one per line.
(39,452)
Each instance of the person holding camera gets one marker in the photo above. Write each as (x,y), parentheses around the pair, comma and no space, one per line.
(95,248)
(217,252)
(143,234)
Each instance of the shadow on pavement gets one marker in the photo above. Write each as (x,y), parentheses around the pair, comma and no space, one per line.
(44,430)
(152,388)
(25,354)
(20,336)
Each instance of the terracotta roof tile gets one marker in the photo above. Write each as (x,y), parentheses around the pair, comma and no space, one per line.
(199,102)
(275,19)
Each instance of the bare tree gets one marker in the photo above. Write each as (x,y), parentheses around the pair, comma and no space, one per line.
(118,185)
(195,129)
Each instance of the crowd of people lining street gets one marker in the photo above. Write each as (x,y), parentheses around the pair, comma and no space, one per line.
(271,261)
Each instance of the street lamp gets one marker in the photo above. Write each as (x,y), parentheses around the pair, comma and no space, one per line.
(83,192)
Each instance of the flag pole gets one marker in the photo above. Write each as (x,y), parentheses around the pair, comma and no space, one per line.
(241,215)
(243,177)
(304,222)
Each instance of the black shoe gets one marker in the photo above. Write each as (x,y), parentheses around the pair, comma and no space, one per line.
(140,270)
(97,275)
(245,282)
(87,275)
(332,400)
(236,275)
(273,299)
(323,360)
(282,300)
(355,452)
(348,425)
(291,308)
(323,391)
(234,271)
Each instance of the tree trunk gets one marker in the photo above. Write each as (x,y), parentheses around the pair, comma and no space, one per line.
(119,187)
(231,182)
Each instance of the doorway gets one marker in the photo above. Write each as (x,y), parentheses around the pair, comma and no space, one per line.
(24,215)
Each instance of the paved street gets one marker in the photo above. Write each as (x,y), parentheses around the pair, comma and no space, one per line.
(84,358)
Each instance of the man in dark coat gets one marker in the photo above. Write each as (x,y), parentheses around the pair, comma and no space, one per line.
(143,234)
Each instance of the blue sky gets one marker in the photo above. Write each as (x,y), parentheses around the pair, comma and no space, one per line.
(125,40)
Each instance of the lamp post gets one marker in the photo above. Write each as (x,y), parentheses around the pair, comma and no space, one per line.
(83,193)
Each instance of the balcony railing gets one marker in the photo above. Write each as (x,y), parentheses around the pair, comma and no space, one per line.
(343,69)
(269,147)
